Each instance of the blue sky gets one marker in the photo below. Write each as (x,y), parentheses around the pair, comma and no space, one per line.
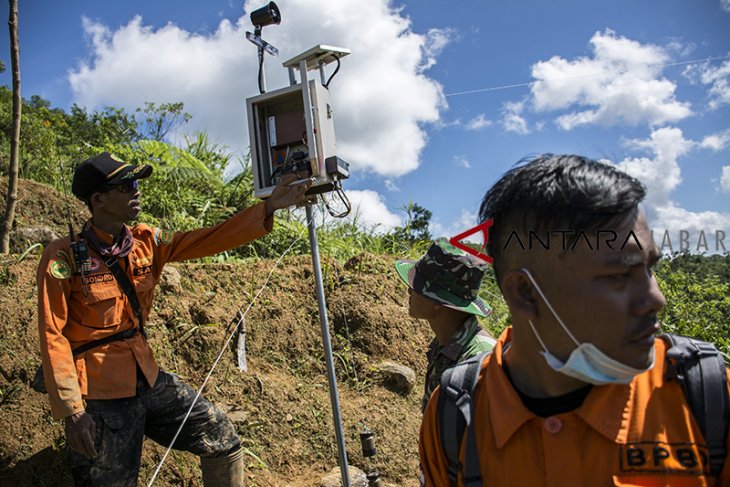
(627,81)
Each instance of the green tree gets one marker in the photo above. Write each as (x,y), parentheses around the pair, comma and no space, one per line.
(158,120)
(109,126)
(417,223)
(38,102)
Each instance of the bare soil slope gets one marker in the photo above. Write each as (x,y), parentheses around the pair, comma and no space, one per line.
(281,406)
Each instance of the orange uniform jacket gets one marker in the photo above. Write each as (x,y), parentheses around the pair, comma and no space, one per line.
(641,434)
(68,318)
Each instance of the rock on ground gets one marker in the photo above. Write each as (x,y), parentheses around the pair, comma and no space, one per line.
(334,477)
(396,377)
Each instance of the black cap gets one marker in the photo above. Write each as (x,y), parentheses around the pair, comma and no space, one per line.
(102,171)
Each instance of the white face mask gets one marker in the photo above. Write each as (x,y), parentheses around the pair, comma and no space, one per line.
(586,362)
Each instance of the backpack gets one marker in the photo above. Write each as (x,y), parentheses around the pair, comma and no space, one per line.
(698,366)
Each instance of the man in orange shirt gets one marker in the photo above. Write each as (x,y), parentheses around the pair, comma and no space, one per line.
(576,391)
(99,371)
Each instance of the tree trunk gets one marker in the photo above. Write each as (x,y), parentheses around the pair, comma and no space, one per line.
(15,136)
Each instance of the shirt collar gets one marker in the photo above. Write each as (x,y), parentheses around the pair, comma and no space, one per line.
(106,238)
(506,411)
(607,409)
(459,339)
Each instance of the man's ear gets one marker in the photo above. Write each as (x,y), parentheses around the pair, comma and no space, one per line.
(520,295)
(96,201)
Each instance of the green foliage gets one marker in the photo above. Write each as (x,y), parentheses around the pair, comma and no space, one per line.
(698,298)
(499,318)
(187,189)
(698,265)
(158,120)
(52,141)
(416,227)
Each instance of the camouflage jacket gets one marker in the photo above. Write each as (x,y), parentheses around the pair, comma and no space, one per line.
(466,342)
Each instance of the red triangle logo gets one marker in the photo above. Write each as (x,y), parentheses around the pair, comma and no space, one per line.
(456,241)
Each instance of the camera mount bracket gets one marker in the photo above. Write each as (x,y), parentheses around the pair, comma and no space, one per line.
(256,39)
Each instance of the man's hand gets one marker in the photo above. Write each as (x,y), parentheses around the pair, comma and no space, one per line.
(284,196)
(80,428)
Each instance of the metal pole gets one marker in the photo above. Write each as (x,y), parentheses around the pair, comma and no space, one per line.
(309,119)
(331,377)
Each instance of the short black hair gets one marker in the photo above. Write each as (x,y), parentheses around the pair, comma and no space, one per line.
(548,192)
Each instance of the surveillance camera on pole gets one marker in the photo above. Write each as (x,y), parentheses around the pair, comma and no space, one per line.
(291,130)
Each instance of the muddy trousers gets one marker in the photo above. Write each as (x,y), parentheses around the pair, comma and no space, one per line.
(121,425)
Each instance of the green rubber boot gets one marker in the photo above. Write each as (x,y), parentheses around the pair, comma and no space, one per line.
(225,471)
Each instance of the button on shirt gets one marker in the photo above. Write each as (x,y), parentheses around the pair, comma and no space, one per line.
(469,340)
(642,433)
(69,316)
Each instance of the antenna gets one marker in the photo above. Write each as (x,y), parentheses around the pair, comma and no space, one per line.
(82,262)
(66,199)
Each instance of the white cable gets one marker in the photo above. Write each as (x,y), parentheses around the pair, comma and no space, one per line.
(220,355)
(530,83)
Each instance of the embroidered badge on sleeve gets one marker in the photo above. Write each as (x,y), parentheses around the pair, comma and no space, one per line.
(60,269)
(163,236)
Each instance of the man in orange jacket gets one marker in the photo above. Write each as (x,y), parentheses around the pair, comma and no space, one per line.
(576,390)
(99,371)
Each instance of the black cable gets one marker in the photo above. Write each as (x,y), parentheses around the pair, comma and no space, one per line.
(261,73)
(343,199)
(327,84)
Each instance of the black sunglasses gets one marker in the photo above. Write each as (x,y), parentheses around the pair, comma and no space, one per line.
(126,188)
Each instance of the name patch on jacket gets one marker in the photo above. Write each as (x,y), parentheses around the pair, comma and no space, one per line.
(142,271)
(100,278)
(659,457)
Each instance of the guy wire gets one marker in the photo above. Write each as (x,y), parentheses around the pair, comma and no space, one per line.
(220,355)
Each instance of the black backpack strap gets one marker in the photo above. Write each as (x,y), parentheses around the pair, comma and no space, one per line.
(126,285)
(122,335)
(455,406)
(700,369)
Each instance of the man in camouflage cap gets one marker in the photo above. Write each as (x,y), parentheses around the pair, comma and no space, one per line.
(443,287)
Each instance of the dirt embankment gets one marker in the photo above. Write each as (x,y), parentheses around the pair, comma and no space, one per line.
(281,406)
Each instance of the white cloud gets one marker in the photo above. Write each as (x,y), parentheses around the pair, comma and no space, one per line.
(436,41)
(725,4)
(370,211)
(466,220)
(391,186)
(716,142)
(678,229)
(620,83)
(718,78)
(662,173)
(725,179)
(477,123)
(462,161)
(512,120)
(214,73)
